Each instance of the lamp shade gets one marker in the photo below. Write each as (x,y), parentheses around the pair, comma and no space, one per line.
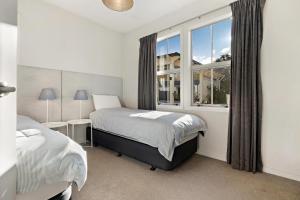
(81,95)
(47,94)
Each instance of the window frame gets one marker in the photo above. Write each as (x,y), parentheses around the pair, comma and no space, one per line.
(211,66)
(184,30)
(163,36)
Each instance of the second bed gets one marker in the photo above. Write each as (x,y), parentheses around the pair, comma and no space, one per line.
(162,139)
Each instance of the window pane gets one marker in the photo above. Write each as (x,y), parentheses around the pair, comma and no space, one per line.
(174,52)
(168,89)
(201,45)
(174,44)
(211,44)
(161,52)
(222,41)
(221,82)
(168,54)
(168,65)
(201,86)
(162,48)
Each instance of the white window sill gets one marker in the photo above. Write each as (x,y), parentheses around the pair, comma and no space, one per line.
(169,107)
(193,108)
(207,109)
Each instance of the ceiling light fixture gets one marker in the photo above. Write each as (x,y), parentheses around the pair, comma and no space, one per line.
(118,5)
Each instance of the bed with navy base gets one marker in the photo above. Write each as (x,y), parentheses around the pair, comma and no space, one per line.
(161,139)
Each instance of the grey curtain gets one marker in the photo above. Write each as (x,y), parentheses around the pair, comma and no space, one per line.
(147,73)
(245,118)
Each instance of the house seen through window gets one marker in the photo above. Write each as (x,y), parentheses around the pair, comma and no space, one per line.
(168,71)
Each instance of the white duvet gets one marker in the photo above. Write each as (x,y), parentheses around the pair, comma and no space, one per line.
(45,156)
(163,130)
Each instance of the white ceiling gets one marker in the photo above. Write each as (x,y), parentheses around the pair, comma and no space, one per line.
(143,12)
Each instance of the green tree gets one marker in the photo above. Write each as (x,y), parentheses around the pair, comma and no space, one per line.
(220,93)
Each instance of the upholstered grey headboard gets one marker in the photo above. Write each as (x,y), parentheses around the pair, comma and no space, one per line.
(94,84)
(31,80)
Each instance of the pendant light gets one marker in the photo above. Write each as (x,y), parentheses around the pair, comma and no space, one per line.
(118,5)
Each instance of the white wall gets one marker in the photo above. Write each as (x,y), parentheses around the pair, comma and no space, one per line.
(281,124)
(281,87)
(53,38)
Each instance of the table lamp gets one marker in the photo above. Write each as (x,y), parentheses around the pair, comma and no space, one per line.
(81,95)
(46,95)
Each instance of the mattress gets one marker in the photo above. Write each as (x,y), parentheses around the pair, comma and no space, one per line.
(46,157)
(162,130)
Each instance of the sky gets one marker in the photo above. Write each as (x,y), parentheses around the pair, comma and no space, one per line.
(201,42)
(168,46)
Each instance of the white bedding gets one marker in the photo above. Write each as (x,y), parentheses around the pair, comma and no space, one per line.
(163,130)
(47,158)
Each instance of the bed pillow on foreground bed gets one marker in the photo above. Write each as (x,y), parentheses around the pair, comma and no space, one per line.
(47,158)
(31,132)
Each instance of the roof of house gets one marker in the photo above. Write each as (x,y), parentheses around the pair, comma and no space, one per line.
(195,62)
(170,54)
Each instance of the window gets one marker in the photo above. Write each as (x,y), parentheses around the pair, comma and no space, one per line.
(211,55)
(168,71)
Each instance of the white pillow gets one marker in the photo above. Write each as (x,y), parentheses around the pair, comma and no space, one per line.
(19,134)
(31,132)
(106,101)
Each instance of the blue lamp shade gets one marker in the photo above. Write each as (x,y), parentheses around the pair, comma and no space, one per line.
(81,95)
(47,94)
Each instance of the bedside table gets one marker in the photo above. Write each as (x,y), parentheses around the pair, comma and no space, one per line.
(54,125)
(75,122)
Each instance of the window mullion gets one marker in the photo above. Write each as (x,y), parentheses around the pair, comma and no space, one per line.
(212,86)
(211,71)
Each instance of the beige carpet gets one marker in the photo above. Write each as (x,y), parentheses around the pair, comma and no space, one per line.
(121,178)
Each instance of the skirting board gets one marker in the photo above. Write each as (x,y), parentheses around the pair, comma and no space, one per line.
(266,169)
(281,173)
(213,156)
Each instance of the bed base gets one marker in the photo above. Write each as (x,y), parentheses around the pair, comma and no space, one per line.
(143,152)
(65,195)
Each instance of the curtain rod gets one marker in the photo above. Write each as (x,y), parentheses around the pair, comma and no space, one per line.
(188,20)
